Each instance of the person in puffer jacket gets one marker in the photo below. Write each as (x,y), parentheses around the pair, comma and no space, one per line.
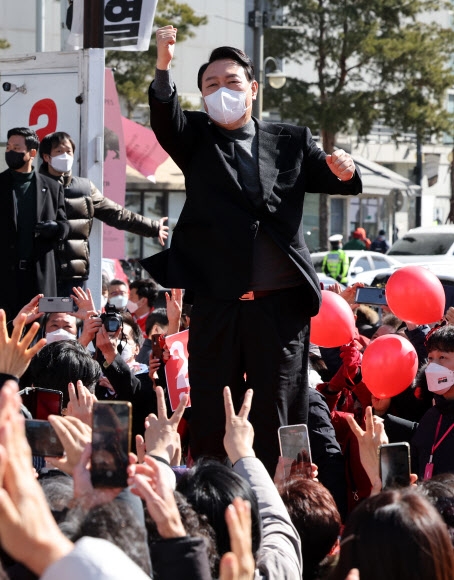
(84,202)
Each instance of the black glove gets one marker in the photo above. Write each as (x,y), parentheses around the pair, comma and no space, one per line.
(47,230)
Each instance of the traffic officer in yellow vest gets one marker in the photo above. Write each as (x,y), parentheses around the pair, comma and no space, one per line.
(335,263)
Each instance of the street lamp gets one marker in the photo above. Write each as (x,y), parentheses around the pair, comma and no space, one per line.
(277,78)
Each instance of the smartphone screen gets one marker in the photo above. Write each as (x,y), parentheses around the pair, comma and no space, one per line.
(395,465)
(43,439)
(156,345)
(56,304)
(111,440)
(43,402)
(372,295)
(294,446)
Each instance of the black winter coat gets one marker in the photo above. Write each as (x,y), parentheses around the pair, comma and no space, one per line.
(50,205)
(212,243)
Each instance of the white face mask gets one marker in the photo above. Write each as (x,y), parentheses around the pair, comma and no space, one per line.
(62,162)
(127,354)
(439,378)
(60,334)
(132,306)
(119,301)
(226,106)
(103,301)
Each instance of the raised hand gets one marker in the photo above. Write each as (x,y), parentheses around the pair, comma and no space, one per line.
(81,404)
(15,352)
(74,436)
(31,311)
(166,38)
(239,433)
(238,564)
(161,434)
(147,482)
(341,164)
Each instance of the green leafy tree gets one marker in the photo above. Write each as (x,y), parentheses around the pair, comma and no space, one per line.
(4,43)
(135,70)
(372,60)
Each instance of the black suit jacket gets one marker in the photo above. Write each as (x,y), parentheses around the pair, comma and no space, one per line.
(212,243)
(50,205)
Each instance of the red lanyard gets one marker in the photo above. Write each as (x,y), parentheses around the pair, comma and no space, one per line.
(436,443)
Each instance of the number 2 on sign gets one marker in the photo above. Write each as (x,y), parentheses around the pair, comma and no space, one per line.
(48,108)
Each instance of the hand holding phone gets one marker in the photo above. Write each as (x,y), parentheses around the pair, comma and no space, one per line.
(394,465)
(111,441)
(56,304)
(371,295)
(295,447)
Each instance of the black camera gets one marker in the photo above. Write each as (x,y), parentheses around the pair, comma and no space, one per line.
(111,318)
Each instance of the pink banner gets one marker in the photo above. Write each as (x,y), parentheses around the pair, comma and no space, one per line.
(177,367)
(143,151)
(114,165)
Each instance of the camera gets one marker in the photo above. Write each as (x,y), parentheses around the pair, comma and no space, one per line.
(111,318)
(9,87)
(12,88)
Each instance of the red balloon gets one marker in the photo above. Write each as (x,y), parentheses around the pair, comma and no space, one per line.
(334,325)
(389,365)
(416,295)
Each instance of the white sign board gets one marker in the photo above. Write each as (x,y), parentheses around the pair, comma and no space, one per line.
(60,91)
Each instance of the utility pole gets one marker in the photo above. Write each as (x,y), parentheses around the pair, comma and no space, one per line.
(93,23)
(256,22)
(40,22)
(418,179)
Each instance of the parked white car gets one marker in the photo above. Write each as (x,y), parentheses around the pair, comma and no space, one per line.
(425,244)
(361,262)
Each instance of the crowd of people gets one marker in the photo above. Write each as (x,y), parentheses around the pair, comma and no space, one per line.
(204,491)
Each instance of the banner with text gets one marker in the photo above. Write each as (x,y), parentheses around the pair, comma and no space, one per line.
(176,368)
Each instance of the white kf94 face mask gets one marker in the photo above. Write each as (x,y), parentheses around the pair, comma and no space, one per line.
(60,334)
(439,378)
(63,162)
(226,106)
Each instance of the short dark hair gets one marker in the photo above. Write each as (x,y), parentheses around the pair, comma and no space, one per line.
(137,335)
(441,339)
(53,140)
(158,316)
(146,288)
(30,136)
(228,53)
(210,487)
(63,362)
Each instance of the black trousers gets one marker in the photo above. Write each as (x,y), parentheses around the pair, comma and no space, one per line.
(261,344)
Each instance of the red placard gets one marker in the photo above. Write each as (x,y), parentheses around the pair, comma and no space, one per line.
(177,367)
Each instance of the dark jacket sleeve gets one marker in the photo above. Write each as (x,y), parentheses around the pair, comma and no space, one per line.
(326,451)
(60,217)
(180,558)
(121,218)
(122,379)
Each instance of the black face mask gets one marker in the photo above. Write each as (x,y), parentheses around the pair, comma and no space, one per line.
(14,160)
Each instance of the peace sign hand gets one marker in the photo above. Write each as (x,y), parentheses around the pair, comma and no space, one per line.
(161,434)
(239,433)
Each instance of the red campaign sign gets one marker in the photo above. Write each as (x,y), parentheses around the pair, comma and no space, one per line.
(48,108)
(177,367)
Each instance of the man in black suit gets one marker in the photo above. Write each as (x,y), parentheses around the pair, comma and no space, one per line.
(239,246)
(32,222)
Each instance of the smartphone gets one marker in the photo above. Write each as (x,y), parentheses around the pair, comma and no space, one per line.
(395,465)
(42,402)
(43,439)
(111,442)
(371,295)
(294,446)
(56,305)
(156,345)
